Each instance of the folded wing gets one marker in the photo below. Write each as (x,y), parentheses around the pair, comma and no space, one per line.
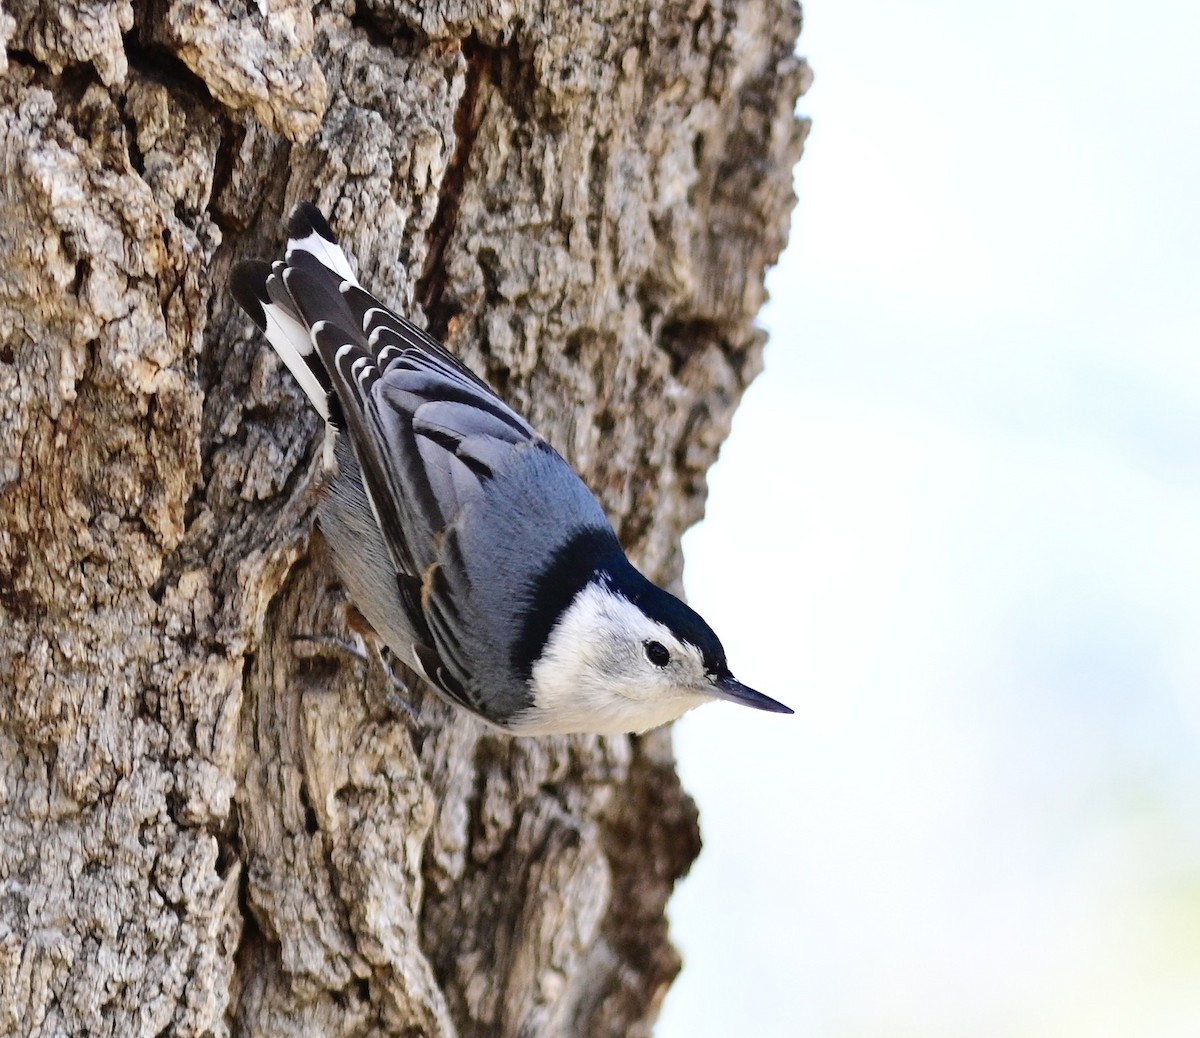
(426,431)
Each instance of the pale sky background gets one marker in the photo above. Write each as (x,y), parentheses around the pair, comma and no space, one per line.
(957,527)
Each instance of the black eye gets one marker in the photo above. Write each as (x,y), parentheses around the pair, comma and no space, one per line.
(657,653)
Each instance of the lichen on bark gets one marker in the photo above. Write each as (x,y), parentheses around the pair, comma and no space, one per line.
(212,820)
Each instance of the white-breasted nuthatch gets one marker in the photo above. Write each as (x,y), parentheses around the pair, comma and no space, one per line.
(463,537)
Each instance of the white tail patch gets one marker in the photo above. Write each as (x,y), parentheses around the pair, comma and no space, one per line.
(290,340)
(329,254)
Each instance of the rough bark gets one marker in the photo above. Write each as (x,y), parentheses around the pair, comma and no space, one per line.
(207,826)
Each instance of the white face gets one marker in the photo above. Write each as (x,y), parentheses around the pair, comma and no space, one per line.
(609,668)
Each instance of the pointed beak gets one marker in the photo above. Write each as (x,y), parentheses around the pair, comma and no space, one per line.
(730,688)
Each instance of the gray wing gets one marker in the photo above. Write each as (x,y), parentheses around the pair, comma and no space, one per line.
(428,435)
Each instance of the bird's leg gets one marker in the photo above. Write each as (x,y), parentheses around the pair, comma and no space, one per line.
(400,692)
(325,642)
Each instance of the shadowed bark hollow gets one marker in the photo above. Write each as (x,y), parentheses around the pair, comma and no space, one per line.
(207,826)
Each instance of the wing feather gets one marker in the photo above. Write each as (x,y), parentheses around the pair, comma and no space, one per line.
(428,434)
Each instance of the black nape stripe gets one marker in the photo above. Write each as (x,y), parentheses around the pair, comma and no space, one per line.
(678,617)
(590,550)
(592,553)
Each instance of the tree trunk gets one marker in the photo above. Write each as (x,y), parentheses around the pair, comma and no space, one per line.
(208,826)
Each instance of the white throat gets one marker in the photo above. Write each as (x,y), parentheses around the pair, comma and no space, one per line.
(573,684)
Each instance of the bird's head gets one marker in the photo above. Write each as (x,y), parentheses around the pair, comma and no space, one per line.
(626,656)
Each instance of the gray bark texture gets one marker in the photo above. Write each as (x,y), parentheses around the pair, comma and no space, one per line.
(207,826)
